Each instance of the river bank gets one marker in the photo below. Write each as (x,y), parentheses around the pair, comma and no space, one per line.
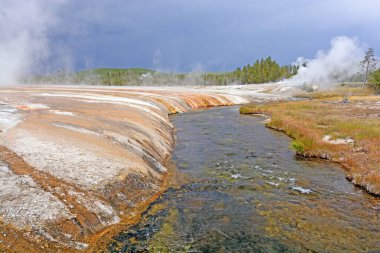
(246,191)
(79,163)
(327,127)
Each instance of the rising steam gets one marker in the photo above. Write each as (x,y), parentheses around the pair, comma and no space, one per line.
(24,27)
(339,63)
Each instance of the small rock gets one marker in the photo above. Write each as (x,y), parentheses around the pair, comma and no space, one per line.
(325,156)
(302,190)
(81,245)
(345,100)
(342,159)
(360,150)
(273,184)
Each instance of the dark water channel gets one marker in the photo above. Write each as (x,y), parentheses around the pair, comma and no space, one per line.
(248,193)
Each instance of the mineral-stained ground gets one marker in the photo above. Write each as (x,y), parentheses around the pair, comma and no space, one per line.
(79,163)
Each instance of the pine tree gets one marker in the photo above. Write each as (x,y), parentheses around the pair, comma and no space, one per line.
(368,64)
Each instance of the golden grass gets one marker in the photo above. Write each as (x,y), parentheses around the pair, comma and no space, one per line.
(338,92)
(308,121)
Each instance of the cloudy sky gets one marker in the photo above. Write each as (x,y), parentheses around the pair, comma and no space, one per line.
(179,35)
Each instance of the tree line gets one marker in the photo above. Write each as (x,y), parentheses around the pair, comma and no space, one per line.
(261,71)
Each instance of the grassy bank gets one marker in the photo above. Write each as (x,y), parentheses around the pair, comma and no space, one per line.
(325,127)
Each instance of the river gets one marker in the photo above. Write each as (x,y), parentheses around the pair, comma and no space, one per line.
(247,192)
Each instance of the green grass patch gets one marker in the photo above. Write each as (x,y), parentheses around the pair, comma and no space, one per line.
(298,146)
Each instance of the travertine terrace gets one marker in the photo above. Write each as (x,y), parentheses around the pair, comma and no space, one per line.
(77,162)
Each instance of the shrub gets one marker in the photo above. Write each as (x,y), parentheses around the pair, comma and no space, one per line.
(298,147)
(375,79)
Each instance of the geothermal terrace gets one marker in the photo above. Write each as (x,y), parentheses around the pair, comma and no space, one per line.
(76,162)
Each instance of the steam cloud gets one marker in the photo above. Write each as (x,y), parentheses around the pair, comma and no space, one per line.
(24,30)
(339,63)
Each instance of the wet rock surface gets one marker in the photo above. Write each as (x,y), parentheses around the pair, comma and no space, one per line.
(78,163)
(16,207)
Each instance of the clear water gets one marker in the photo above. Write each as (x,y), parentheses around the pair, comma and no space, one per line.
(247,192)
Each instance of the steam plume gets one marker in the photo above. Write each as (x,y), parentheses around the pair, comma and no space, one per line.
(24,27)
(339,63)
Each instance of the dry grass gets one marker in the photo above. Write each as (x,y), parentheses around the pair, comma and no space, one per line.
(338,93)
(309,121)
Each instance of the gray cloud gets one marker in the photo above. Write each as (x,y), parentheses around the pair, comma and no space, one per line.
(215,34)
(221,35)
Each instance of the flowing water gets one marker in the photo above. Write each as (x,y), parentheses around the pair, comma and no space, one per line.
(247,192)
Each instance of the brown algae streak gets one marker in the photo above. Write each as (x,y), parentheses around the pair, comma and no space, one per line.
(248,193)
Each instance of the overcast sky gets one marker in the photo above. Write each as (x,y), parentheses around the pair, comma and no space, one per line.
(210,35)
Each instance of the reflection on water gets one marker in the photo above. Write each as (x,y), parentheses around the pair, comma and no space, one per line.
(248,193)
